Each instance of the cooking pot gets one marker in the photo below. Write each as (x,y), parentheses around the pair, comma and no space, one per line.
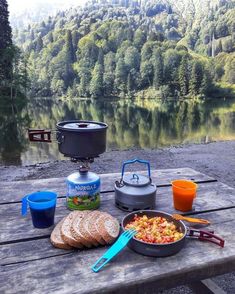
(75,138)
(167,249)
(134,192)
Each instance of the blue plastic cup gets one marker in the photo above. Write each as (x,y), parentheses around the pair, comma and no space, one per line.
(42,207)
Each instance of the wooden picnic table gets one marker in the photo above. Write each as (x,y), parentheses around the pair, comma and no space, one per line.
(30,264)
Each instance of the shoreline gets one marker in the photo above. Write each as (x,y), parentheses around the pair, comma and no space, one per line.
(216,159)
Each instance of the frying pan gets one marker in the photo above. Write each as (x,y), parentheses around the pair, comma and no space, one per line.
(167,249)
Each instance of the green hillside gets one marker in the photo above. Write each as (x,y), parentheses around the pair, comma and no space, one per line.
(132,48)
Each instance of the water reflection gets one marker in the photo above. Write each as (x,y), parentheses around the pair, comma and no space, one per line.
(12,125)
(145,124)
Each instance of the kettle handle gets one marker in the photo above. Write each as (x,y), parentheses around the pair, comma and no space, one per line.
(133,161)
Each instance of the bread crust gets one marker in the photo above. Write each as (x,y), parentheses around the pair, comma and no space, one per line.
(92,228)
(56,238)
(109,239)
(75,229)
(86,226)
(66,230)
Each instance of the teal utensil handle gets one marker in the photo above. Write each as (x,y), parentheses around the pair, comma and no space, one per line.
(100,263)
(122,241)
(114,250)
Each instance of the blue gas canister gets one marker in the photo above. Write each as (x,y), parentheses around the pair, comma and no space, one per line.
(83,191)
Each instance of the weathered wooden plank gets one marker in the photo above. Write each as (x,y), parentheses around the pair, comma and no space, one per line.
(129,271)
(14,191)
(210,196)
(42,248)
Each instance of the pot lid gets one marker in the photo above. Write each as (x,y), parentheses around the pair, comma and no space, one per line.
(136,180)
(81,125)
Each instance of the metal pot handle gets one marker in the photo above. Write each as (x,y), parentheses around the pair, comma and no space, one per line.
(133,161)
(206,236)
(39,135)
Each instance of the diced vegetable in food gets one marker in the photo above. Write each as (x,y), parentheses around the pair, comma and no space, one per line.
(154,229)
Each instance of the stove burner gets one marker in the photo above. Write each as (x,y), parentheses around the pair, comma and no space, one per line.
(84,163)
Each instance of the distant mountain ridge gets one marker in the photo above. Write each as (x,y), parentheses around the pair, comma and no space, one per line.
(22,14)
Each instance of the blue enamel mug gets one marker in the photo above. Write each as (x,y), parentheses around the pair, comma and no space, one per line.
(42,207)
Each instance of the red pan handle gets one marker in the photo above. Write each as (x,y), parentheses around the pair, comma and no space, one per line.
(206,236)
(39,135)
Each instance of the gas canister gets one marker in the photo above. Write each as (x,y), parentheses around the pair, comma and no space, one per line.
(83,191)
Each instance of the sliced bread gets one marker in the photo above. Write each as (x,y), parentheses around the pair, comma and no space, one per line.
(84,224)
(56,238)
(108,227)
(66,229)
(92,228)
(76,229)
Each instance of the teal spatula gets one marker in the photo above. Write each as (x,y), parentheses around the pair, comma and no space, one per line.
(121,242)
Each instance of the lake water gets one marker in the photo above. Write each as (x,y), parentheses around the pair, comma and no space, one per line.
(141,124)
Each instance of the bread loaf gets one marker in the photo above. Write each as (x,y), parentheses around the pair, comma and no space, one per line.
(85,228)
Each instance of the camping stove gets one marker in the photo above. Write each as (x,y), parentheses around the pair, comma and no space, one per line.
(82,141)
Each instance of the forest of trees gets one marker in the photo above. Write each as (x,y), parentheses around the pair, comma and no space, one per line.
(121,48)
(132,48)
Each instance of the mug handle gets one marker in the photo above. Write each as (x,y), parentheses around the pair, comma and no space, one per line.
(24,205)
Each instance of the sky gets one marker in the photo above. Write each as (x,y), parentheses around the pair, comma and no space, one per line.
(16,6)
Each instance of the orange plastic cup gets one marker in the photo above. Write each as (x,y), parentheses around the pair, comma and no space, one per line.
(184,192)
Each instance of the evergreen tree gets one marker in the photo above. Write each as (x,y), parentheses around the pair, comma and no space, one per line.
(219,47)
(158,68)
(108,82)
(120,76)
(101,57)
(50,37)
(75,38)
(131,81)
(172,60)
(196,78)
(5,29)
(32,36)
(230,71)
(132,58)
(206,83)
(96,85)
(146,72)
(146,51)
(139,38)
(84,83)
(6,55)
(184,76)
(39,44)
(84,74)
(70,54)
(109,73)
(68,75)
(13,75)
